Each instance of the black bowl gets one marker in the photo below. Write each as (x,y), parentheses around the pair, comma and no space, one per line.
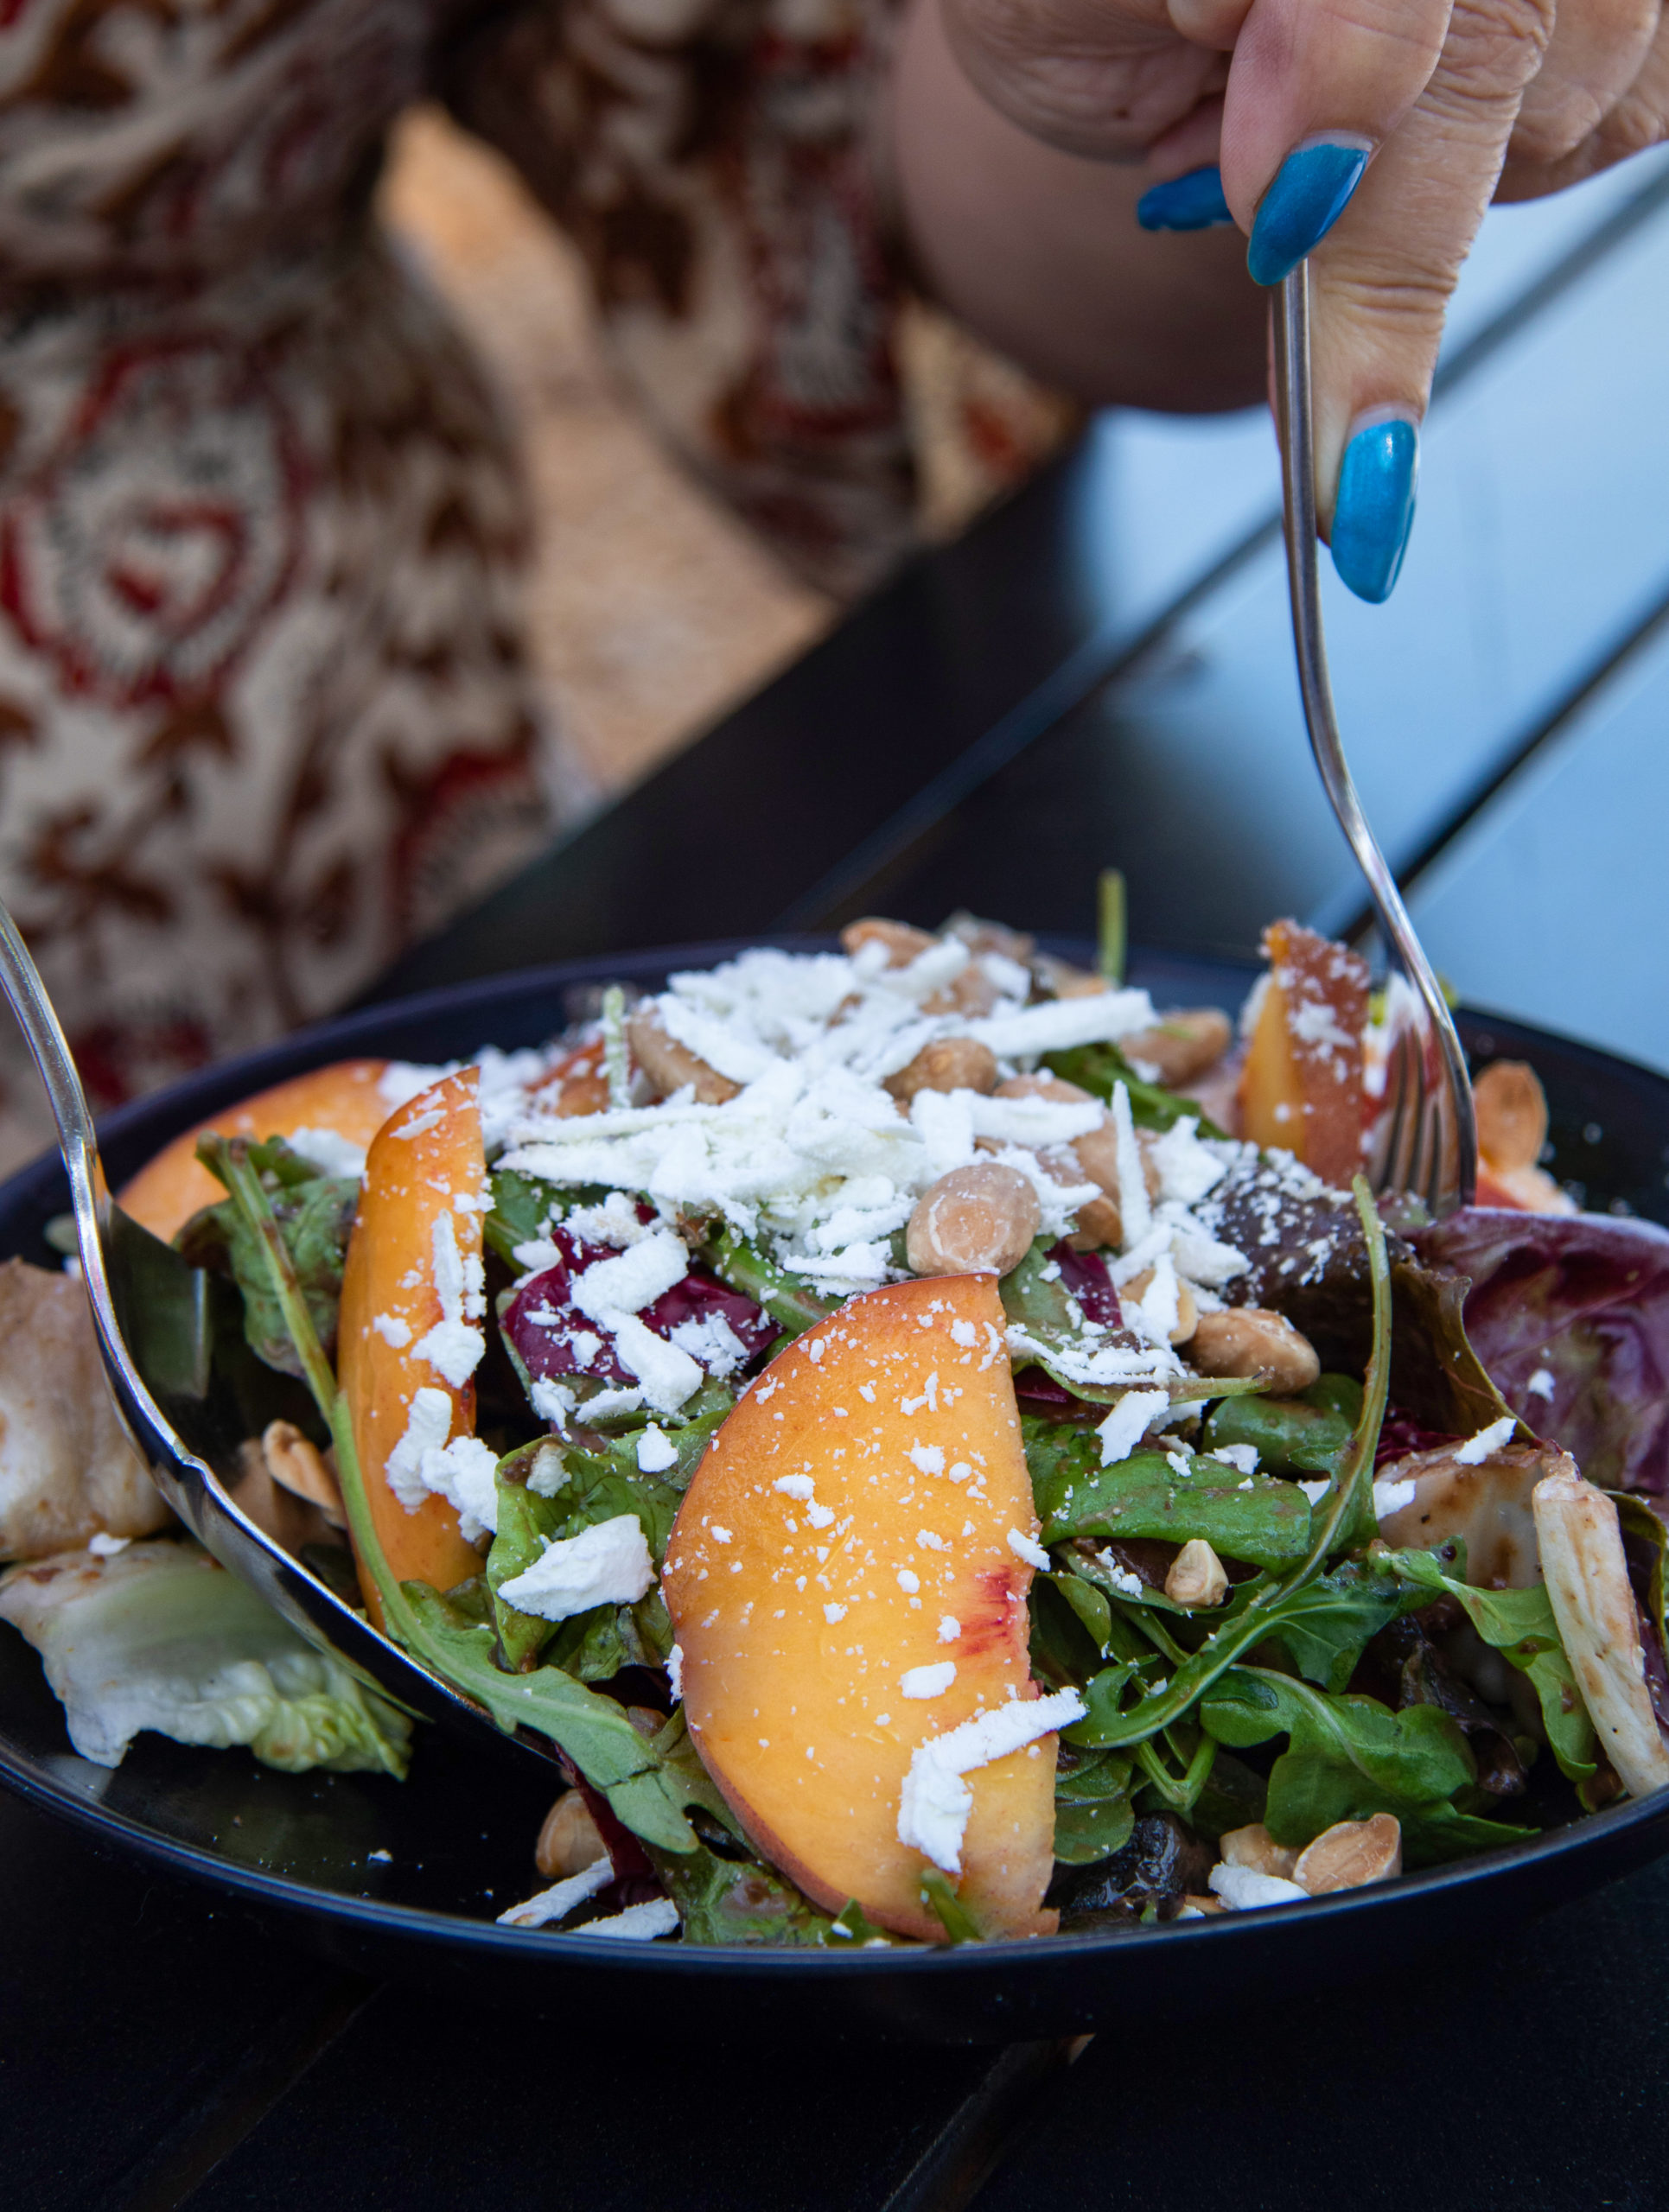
(307,1852)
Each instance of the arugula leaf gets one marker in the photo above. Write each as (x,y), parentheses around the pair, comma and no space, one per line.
(592,1730)
(1324,1631)
(1098,1068)
(314,1216)
(954,1917)
(1520,1625)
(1091,1606)
(1241,1518)
(576,1490)
(1093,1815)
(739,1902)
(519,1211)
(792,1302)
(1349,1758)
(1308,1434)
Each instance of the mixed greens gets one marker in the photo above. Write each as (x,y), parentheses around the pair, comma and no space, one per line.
(1262,1429)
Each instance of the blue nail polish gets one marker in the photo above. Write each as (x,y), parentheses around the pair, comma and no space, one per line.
(1374,511)
(1312,190)
(1193,202)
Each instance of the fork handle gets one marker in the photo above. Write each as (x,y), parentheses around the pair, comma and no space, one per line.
(1295,413)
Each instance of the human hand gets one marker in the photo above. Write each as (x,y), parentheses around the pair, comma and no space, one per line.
(1408,114)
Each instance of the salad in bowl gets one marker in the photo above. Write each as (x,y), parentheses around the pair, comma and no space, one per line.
(944,1449)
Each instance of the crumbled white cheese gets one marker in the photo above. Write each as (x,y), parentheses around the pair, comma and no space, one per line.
(454,1348)
(1129,1422)
(656,1451)
(1187,1168)
(1243,1457)
(638,1923)
(608,1564)
(106,1547)
(1135,1210)
(1126,1584)
(1059,1025)
(675,1672)
(1488,1441)
(1027,1548)
(1313,1491)
(799,1487)
(949,1628)
(1242,1889)
(935,1801)
(427,1426)
(1540,1384)
(394,1332)
(928,1681)
(613,1222)
(331,1153)
(1391,1497)
(928,1457)
(711,1342)
(560,1899)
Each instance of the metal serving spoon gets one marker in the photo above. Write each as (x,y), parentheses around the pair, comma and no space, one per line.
(154,1318)
(1429,1144)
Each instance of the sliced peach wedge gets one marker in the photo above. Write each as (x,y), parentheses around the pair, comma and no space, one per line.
(847,1581)
(1301,1085)
(405,1325)
(343,1098)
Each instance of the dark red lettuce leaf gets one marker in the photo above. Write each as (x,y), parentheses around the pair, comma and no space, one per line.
(1085,1275)
(550,1339)
(1584,1300)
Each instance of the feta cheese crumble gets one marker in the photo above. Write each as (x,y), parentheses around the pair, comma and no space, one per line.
(935,1801)
(608,1564)
(1129,1422)
(1486,1442)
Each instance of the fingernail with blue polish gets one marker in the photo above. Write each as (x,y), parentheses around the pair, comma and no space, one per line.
(1374,511)
(1193,202)
(1312,190)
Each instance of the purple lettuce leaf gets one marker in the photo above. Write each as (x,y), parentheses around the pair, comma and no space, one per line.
(1569,1314)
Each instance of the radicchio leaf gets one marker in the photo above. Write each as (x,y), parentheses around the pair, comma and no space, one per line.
(551,1338)
(1578,1304)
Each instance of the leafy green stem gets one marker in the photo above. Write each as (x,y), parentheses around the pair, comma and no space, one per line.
(1336,1521)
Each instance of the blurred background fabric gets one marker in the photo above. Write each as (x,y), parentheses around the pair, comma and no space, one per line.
(375,501)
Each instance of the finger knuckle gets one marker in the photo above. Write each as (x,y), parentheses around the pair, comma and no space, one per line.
(1494,49)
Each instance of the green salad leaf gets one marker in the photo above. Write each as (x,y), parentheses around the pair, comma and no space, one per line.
(1098,1068)
(792,1302)
(1305,1435)
(1240,1516)
(161,1636)
(315,1217)
(1520,1625)
(1093,1815)
(1349,1758)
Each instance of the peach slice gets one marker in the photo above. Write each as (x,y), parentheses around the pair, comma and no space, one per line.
(1301,1085)
(343,1097)
(425,1171)
(844,1589)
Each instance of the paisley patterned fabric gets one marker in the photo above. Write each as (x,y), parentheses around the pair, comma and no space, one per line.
(264,709)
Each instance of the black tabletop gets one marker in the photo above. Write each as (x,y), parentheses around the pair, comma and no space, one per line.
(988,731)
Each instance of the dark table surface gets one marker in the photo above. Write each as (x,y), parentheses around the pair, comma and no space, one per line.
(1017,711)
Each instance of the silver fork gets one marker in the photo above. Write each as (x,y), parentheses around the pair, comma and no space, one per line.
(1428,1142)
(153,1317)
